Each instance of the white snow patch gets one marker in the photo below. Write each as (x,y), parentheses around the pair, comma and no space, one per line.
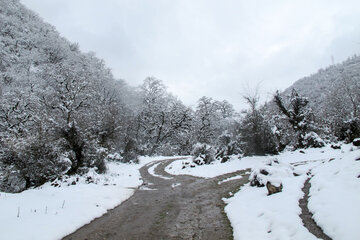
(61,210)
(145,188)
(214,169)
(230,179)
(174,185)
(146,160)
(151,170)
(254,215)
(335,188)
(335,196)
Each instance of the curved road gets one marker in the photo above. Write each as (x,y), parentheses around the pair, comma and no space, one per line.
(168,207)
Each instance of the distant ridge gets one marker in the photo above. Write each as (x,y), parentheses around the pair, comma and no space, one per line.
(329,83)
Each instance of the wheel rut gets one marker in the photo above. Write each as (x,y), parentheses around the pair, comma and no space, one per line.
(307,217)
(174,207)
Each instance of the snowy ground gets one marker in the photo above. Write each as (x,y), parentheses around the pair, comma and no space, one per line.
(49,212)
(334,195)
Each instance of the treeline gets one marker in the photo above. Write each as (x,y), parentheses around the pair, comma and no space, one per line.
(62,112)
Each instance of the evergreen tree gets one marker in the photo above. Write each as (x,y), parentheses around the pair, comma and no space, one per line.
(298,114)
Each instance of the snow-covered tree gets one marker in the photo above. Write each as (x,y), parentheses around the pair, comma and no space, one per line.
(298,114)
(162,117)
(256,135)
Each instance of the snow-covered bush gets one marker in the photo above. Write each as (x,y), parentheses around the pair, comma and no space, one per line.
(349,130)
(203,153)
(97,156)
(114,157)
(130,151)
(272,171)
(227,146)
(11,180)
(34,161)
(312,140)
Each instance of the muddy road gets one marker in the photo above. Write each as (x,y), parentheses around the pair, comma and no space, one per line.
(168,207)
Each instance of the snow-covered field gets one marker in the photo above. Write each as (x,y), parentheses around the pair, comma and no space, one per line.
(49,212)
(334,194)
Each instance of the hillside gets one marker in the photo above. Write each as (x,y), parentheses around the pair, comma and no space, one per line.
(335,88)
(63,113)
(57,104)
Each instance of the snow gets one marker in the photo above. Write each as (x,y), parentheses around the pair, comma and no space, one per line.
(144,188)
(49,212)
(335,196)
(334,193)
(146,160)
(230,179)
(151,171)
(254,215)
(214,169)
(174,185)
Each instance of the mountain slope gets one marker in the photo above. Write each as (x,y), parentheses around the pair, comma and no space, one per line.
(335,88)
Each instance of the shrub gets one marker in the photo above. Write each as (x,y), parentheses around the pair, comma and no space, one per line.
(203,151)
(349,130)
(130,151)
(34,160)
(227,146)
(312,140)
(96,158)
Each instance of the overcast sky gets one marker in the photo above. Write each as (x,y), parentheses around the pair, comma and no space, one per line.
(208,47)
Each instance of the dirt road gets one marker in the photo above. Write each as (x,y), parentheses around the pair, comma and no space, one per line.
(168,207)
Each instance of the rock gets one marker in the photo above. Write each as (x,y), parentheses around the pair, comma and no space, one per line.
(89,179)
(225,159)
(255,182)
(55,184)
(356,142)
(199,161)
(264,172)
(301,151)
(335,146)
(272,188)
(73,183)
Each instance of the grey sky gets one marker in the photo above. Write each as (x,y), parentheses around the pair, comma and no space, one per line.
(208,47)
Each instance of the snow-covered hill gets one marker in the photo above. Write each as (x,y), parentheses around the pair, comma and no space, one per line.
(335,86)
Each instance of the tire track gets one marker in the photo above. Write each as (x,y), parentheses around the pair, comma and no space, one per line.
(307,217)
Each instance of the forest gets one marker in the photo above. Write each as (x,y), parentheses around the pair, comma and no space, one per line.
(62,112)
